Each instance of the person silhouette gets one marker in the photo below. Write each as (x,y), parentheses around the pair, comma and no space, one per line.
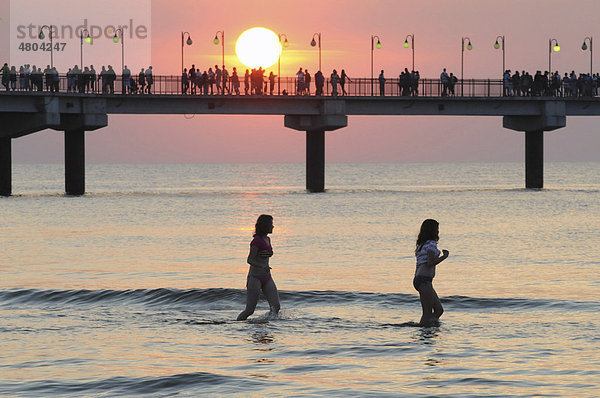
(300,82)
(126,80)
(381,84)
(185,83)
(211,80)
(271,82)
(218,78)
(259,275)
(112,76)
(235,81)
(307,79)
(319,83)
(334,79)
(142,80)
(92,82)
(428,256)
(149,79)
(343,78)
(225,78)
(445,80)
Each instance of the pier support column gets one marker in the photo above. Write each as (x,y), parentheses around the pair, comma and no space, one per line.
(315,127)
(315,160)
(552,116)
(75,162)
(5,167)
(534,159)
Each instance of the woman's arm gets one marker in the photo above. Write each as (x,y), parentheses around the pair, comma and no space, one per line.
(433,259)
(252,257)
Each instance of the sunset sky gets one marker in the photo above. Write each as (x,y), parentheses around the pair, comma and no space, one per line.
(346,28)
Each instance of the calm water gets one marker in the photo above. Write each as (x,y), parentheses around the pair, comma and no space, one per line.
(132,289)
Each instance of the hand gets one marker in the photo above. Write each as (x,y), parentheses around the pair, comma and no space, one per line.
(445,252)
(265,253)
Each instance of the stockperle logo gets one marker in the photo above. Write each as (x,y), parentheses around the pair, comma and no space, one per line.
(63,34)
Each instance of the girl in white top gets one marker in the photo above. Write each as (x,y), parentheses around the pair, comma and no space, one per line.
(428,256)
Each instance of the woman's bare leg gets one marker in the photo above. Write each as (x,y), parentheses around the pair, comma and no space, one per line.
(252,294)
(272,295)
(427,296)
(438,310)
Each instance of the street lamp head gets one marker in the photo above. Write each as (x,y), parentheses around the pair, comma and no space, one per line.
(41,35)
(313,42)
(406,44)
(116,38)
(496,45)
(378,45)
(216,40)
(469,46)
(88,39)
(557,47)
(189,41)
(584,46)
(285,43)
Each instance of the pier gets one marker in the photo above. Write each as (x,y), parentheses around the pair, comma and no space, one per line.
(27,112)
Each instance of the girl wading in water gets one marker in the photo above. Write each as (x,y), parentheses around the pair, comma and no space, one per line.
(259,275)
(428,256)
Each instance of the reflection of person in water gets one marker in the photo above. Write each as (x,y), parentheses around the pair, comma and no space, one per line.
(428,256)
(259,275)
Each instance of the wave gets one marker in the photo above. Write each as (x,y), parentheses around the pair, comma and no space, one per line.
(284,192)
(140,296)
(201,381)
(192,297)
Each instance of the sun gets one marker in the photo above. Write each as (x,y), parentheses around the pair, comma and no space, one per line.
(258,47)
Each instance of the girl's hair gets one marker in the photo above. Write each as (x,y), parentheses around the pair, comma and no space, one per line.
(262,224)
(430,230)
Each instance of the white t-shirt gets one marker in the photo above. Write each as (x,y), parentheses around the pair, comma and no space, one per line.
(422,254)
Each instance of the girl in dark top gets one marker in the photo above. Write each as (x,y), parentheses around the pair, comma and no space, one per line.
(343,78)
(259,275)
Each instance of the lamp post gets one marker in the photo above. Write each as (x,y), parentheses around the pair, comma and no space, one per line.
(88,40)
(216,41)
(584,47)
(188,42)
(497,46)
(285,44)
(116,40)
(550,48)
(412,46)
(462,57)
(41,37)
(373,45)
(314,43)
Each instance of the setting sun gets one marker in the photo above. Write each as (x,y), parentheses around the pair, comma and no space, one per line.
(258,47)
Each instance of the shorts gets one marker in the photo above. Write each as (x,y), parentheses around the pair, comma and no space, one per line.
(264,279)
(420,279)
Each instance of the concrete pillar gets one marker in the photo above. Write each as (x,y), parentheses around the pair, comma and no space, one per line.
(75,162)
(534,159)
(315,127)
(315,160)
(5,167)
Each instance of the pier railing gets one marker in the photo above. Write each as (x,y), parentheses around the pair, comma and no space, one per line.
(172,85)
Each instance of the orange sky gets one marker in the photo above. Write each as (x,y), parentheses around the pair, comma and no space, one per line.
(346,28)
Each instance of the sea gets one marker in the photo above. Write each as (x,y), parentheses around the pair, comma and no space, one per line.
(133,289)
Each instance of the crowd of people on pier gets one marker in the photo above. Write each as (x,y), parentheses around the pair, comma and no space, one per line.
(550,84)
(86,80)
(220,81)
